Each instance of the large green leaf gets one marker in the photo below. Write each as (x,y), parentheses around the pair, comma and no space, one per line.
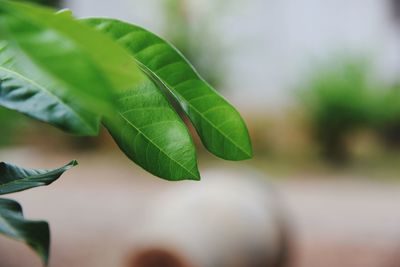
(15,179)
(150,133)
(57,70)
(219,125)
(35,234)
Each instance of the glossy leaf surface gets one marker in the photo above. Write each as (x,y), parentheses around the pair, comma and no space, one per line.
(219,125)
(35,234)
(15,179)
(152,134)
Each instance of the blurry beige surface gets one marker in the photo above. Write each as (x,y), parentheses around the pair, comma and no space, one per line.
(231,218)
(94,211)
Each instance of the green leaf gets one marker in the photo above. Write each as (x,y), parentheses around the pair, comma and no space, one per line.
(219,125)
(35,234)
(57,70)
(15,179)
(152,134)
(20,93)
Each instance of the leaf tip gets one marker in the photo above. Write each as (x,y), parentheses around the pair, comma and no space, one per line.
(249,153)
(44,250)
(197,177)
(73,163)
(65,12)
(189,176)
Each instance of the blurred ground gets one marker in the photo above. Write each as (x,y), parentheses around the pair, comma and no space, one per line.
(344,223)
(93,209)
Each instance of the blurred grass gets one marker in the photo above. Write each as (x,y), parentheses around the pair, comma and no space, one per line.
(286,148)
(283,167)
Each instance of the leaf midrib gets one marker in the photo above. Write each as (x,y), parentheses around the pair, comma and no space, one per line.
(158,147)
(45,174)
(14,230)
(141,65)
(47,91)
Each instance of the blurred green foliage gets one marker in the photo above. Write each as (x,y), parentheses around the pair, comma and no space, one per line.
(51,3)
(338,100)
(198,44)
(387,116)
(10,121)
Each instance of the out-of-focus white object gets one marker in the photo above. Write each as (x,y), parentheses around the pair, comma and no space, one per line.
(231,218)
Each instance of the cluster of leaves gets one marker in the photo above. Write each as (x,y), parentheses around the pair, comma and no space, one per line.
(78,74)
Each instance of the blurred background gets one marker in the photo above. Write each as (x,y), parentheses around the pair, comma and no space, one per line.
(318,83)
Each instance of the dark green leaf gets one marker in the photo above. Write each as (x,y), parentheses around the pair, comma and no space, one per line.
(15,179)
(219,125)
(20,93)
(35,234)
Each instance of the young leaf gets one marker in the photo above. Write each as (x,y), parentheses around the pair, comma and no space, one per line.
(150,133)
(57,70)
(219,125)
(35,234)
(15,179)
